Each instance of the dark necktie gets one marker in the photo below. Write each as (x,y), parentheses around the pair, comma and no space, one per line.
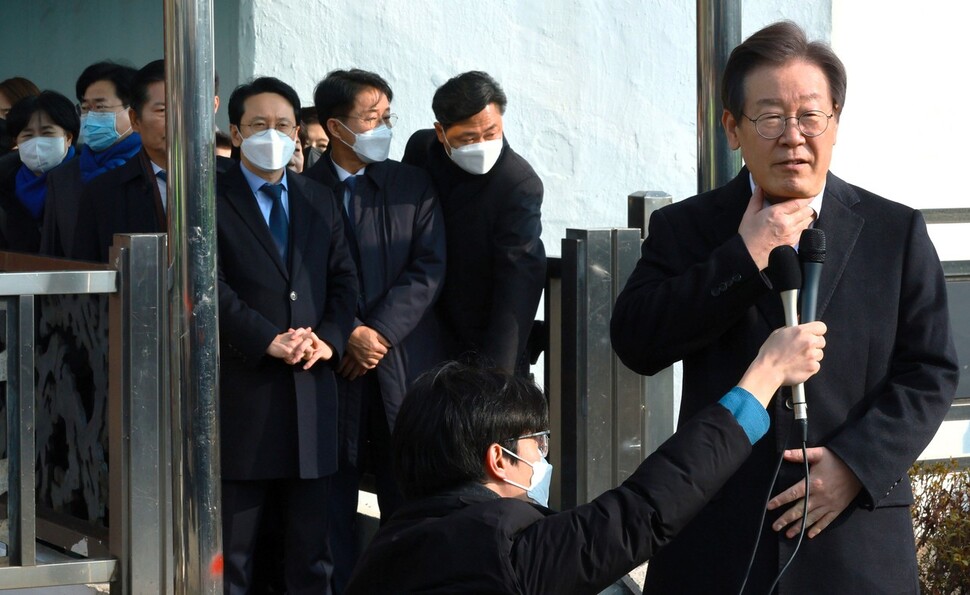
(163,176)
(351,183)
(278,225)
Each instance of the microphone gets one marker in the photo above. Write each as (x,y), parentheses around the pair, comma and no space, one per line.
(786,277)
(811,252)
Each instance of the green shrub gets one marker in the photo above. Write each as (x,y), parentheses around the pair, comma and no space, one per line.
(941,521)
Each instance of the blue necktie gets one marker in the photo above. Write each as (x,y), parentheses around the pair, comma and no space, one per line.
(162,175)
(278,225)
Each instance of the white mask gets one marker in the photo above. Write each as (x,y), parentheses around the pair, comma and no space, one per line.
(477,158)
(372,146)
(269,150)
(538,490)
(43,153)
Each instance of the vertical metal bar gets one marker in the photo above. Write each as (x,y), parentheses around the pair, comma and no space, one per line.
(572,485)
(640,206)
(194,306)
(22,432)
(718,32)
(553,371)
(658,391)
(137,353)
(119,481)
(627,385)
(599,426)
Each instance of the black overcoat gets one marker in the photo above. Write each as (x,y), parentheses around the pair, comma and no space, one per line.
(469,540)
(496,261)
(400,239)
(886,382)
(276,420)
(122,200)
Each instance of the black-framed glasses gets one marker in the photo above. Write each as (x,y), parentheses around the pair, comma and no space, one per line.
(541,438)
(811,124)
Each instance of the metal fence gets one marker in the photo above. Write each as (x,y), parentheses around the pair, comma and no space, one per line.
(123,534)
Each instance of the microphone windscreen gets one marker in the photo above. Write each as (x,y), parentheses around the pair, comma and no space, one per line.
(784,271)
(811,245)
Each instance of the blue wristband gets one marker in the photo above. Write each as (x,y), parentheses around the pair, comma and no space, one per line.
(748,412)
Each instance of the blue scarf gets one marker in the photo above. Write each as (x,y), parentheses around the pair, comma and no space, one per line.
(32,189)
(94,164)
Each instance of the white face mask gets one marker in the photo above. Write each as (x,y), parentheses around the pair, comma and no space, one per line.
(372,146)
(269,150)
(538,490)
(477,158)
(43,153)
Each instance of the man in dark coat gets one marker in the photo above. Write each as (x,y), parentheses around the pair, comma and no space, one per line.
(395,230)
(130,198)
(470,449)
(491,200)
(287,288)
(891,372)
(104,96)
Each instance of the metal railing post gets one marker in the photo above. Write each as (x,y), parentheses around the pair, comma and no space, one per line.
(139,416)
(190,92)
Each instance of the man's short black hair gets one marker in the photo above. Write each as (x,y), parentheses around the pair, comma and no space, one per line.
(60,109)
(465,95)
(449,419)
(153,72)
(777,45)
(266,84)
(308,115)
(120,76)
(335,95)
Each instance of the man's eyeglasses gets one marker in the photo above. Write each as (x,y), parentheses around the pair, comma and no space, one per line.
(283,126)
(99,108)
(772,126)
(374,121)
(541,438)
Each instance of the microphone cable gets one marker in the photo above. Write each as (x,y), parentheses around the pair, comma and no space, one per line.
(764,513)
(801,532)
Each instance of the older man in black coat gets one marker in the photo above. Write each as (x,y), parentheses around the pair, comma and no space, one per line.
(891,371)
(395,230)
(491,198)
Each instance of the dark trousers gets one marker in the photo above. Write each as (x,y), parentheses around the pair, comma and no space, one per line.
(373,456)
(302,504)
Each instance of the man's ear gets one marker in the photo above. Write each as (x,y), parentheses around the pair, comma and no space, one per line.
(731,130)
(496,464)
(440,131)
(133,118)
(333,128)
(235,135)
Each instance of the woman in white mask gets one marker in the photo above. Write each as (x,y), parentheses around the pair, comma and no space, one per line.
(45,127)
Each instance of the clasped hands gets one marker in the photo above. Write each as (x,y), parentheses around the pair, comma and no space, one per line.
(302,344)
(365,349)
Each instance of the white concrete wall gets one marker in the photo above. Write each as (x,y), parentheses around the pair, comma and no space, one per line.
(601,93)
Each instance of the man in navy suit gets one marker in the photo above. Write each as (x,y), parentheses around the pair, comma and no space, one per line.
(395,230)
(699,294)
(287,290)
